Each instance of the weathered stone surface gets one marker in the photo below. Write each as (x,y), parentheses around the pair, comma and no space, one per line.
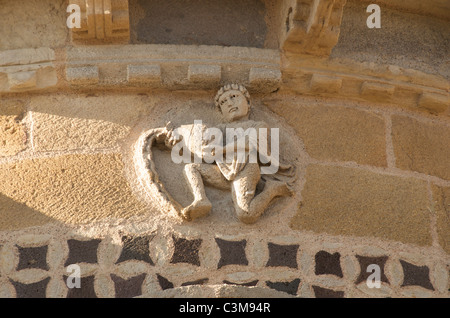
(421,147)
(207,75)
(86,289)
(42,23)
(321,292)
(75,122)
(32,257)
(416,275)
(441,201)
(337,141)
(325,84)
(346,201)
(186,251)
(67,189)
(82,75)
(136,248)
(287,287)
(128,288)
(12,131)
(34,290)
(434,103)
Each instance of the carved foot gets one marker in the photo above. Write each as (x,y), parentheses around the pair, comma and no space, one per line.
(278,188)
(196,209)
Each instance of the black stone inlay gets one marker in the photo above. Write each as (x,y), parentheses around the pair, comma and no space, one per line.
(86,289)
(164,283)
(128,288)
(186,251)
(32,257)
(232,252)
(136,248)
(287,287)
(201,281)
(82,251)
(416,275)
(320,292)
(282,255)
(327,263)
(248,284)
(34,290)
(365,261)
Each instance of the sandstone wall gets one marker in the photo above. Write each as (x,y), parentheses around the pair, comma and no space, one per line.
(365,116)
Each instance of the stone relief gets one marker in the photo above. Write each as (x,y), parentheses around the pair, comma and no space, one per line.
(239,155)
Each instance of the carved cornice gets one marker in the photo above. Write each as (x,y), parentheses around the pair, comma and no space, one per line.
(173,67)
(27,69)
(312,26)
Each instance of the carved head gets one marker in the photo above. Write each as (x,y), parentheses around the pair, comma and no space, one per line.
(233,101)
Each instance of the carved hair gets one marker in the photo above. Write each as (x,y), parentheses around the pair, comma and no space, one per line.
(231,87)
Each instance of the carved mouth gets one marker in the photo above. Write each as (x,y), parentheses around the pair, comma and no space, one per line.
(233,109)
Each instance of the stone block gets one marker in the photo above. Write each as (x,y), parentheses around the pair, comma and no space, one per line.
(325,84)
(422,147)
(146,74)
(208,75)
(13,135)
(264,79)
(377,91)
(350,135)
(70,189)
(79,122)
(83,75)
(441,203)
(354,202)
(434,103)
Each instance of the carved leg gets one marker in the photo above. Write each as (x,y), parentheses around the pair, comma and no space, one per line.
(248,206)
(201,206)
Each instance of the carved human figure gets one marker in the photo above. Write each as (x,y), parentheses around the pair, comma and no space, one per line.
(239,174)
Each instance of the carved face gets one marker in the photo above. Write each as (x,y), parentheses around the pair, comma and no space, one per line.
(233,105)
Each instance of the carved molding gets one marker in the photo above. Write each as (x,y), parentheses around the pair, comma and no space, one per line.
(312,26)
(173,66)
(27,69)
(102,21)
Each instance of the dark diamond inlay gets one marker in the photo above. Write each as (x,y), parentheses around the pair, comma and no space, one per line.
(232,252)
(128,288)
(86,289)
(186,251)
(282,255)
(136,248)
(287,287)
(164,283)
(247,284)
(82,251)
(32,257)
(201,281)
(327,263)
(320,292)
(416,275)
(34,290)
(365,261)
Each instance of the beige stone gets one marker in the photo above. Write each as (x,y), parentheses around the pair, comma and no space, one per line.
(207,75)
(435,103)
(337,133)
(312,27)
(102,20)
(325,83)
(377,91)
(346,201)
(83,75)
(421,147)
(264,79)
(147,74)
(13,135)
(67,189)
(81,122)
(441,201)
